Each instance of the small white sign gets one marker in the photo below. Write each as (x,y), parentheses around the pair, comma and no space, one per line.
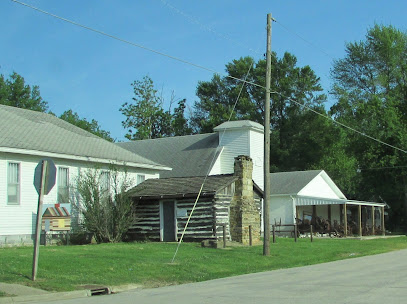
(182,212)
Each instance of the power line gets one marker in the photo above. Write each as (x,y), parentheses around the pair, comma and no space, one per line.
(305,40)
(195,20)
(203,68)
(382,168)
(339,123)
(132,43)
(211,164)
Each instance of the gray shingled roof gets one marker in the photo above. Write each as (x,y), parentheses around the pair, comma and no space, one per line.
(291,182)
(189,155)
(181,186)
(40,132)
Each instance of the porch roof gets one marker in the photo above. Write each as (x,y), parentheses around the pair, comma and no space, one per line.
(309,201)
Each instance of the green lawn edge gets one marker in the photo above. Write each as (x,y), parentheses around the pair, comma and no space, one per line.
(148,264)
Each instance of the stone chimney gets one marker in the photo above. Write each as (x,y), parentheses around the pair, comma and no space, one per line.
(243,209)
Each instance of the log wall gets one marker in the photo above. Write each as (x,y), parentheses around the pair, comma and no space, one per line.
(147,225)
(207,221)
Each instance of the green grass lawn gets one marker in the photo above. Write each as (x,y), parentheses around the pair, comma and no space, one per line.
(63,268)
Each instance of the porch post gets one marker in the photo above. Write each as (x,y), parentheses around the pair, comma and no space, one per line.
(383,229)
(360,220)
(329,219)
(314,214)
(345,217)
(373,230)
(296,214)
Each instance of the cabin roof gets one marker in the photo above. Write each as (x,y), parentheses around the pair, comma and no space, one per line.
(181,186)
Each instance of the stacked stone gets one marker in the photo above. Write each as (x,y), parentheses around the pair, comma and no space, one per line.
(243,210)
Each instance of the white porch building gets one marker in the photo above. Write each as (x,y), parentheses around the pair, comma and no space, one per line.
(311,198)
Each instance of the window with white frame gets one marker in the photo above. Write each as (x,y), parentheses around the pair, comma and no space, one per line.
(13,184)
(63,185)
(104,182)
(140,178)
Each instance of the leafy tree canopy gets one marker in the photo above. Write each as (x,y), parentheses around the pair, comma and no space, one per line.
(146,118)
(90,126)
(370,84)
(292,148)
(14,92)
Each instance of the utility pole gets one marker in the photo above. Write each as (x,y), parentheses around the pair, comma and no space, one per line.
(267,192)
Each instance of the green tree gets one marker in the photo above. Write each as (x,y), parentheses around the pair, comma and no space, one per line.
(179,123)
(370,85)
(289,82)
(14,92)
(146,118)
(102,206)
(90,126)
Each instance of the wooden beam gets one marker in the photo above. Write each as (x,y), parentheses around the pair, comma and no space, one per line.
(360,219)
(329,219)
(383,228)
(296,214)
(345,217)
(373,230)
(314,214)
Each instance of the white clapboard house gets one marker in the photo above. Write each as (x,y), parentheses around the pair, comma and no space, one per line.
(26,137)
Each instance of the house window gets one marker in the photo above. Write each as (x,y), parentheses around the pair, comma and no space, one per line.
(13,184)
(104,182)
(63,185)
(140,178)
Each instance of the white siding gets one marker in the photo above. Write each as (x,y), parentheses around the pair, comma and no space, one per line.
(281,207)
(244,141)
(216,168)
(257,154)
(235,143)
(318,187)
(20,219)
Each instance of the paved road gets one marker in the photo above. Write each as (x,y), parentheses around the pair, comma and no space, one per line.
(373,279)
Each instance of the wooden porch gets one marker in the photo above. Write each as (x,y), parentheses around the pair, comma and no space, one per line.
(349,218)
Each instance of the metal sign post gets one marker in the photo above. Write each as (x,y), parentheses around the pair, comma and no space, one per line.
(44,180)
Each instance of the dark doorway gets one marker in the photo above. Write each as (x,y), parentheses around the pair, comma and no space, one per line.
(168,221)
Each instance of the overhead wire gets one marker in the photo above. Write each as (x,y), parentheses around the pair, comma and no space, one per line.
(195,20)
(211,164)
(243,81)
(305,40)
(132,43)
(202,67)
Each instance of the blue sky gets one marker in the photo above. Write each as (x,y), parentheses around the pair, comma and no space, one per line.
(91,74)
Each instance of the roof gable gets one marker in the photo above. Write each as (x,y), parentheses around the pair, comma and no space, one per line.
(30,132)
(56,212)
(308,183)
(239,124)
(322,186)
